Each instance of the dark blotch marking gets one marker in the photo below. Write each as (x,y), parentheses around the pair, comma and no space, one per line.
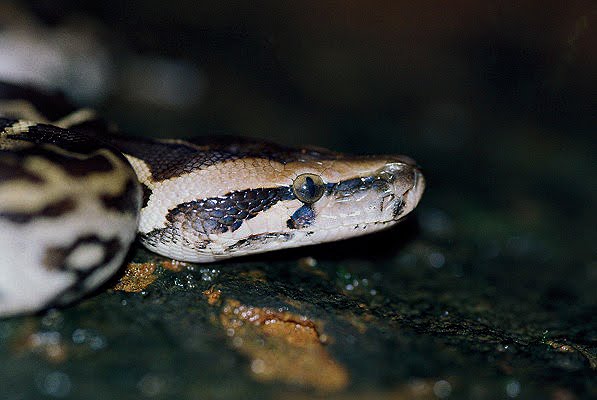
(75,166)
(52,210)
(6,122)
(164,160)
(354,185)
(302,218)
(52,105)
(55,257)
(226,213)
(350,185)
(11,168)
(146,195)
(126,202)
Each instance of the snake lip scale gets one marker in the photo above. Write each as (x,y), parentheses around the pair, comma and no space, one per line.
(74,194)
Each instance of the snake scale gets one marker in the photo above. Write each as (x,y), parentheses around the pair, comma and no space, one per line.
(74,194)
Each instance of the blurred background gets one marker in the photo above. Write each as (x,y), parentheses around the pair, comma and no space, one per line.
(497,101)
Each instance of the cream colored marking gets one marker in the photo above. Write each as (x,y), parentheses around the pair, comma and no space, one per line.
(141,169)
(75,118)
(24,110)
(85,256)
(21,109)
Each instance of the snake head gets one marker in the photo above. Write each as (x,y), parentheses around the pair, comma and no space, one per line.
(238,198)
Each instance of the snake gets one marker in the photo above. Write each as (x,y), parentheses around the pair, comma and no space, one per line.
(75,193)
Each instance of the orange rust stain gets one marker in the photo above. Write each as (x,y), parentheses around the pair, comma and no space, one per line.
(255,275)
(283,347)
(561,347)
(137,277)
(213,295)
(173,265)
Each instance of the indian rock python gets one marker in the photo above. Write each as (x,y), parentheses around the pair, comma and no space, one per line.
(70,203)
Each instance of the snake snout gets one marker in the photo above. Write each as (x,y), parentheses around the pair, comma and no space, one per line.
(407,182)
(412,196)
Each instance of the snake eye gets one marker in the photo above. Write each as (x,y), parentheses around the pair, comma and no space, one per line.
(308,188)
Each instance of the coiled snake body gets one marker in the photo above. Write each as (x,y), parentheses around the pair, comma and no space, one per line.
(73,196)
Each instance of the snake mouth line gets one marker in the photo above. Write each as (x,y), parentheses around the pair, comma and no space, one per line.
(270,238)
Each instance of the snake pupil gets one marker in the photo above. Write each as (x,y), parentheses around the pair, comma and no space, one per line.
(308,188)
